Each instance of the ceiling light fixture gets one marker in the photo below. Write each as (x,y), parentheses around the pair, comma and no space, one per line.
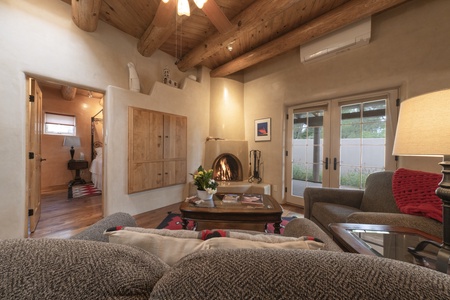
(183,8)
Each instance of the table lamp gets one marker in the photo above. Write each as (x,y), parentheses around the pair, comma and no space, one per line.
(72,141)
(423,129)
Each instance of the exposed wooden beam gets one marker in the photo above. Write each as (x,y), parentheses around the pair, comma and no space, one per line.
(163,26)
(246,21)
(86,13)
(339,17)
(216,16)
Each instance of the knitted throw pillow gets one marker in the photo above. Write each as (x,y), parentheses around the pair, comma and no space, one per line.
(414,193)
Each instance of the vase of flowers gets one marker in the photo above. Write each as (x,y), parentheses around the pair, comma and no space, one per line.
(206,185)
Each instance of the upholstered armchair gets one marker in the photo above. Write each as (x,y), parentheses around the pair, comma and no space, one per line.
(374,205)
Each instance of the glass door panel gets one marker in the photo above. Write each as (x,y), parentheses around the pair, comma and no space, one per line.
(306,152)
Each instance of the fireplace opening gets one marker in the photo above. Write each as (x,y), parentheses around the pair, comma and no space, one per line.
(227,167)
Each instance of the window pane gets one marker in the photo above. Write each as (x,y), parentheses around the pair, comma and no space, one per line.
(59,124)
(362,142)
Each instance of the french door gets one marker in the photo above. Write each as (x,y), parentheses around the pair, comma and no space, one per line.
(338,143)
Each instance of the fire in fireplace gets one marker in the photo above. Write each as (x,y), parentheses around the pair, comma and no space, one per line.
(227,167)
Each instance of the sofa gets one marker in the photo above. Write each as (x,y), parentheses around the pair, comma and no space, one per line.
(88,267)
(374,205)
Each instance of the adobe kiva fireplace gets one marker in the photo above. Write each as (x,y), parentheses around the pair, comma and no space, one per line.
(229,160)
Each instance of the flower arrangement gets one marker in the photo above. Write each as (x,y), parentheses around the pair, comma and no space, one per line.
(204,181)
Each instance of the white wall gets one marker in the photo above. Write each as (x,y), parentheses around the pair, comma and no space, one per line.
(39,38)
(410,49)
(191,101)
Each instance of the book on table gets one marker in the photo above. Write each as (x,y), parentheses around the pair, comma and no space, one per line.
(230,198)
(252,199)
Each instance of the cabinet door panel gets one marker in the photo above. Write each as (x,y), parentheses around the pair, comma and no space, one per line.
(175,133)
(145,176)
(175,172)
(147,135)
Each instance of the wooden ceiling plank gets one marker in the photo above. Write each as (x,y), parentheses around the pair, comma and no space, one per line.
(216,16)
(162,27)
(343,15)
(86,13)
(244,22)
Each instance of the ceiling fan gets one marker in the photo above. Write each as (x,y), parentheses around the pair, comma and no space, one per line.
(166,11)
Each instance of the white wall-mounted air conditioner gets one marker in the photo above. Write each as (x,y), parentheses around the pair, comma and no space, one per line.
(344,39)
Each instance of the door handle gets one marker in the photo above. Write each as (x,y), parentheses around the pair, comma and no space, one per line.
(335,164)
(326,163)
(43,159)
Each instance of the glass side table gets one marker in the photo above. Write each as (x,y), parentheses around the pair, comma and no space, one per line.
(393,242)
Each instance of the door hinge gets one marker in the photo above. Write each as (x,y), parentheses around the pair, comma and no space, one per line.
(397,102)
(287,153)
(287,116)
(31,98)
(285,189)
(30,212)
(30,155)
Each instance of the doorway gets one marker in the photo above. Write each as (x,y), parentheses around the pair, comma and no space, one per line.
(338,143)
(71,136)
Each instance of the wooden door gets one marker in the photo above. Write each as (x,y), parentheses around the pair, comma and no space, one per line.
(145,149)
(175,136)
(34,159)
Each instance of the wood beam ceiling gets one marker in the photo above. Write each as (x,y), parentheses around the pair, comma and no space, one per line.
(85,14)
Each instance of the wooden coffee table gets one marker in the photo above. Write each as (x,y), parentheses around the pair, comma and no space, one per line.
(217,214)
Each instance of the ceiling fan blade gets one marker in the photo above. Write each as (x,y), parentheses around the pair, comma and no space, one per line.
(216,16)
(164,13)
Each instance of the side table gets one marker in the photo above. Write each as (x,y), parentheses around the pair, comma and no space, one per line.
(76,165)
(385,241)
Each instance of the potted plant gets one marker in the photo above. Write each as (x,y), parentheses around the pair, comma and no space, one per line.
(206,185)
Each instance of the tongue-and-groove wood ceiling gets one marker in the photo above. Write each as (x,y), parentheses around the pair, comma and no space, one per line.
(259,29)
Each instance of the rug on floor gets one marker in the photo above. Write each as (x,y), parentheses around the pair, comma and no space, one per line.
(85,190)
(173,222)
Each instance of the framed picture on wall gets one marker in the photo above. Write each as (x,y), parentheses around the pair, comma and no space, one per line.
(263,130)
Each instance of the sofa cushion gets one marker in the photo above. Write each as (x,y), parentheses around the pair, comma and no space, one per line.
(172,245)
(326,213)
(75,269)
(379,186)
(297,274)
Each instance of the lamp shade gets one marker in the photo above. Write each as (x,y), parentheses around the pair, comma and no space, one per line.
(72,141)
(423,127)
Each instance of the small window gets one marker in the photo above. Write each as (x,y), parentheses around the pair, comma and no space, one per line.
(59,124)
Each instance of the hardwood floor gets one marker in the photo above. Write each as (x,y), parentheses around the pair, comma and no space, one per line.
(63,218)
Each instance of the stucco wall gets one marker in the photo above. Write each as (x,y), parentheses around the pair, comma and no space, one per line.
(409,49)
(40,39)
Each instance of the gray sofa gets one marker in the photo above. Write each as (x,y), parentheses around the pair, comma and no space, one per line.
(374,205)
(81,268)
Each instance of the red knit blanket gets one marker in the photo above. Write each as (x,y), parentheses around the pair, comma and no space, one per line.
(414,193)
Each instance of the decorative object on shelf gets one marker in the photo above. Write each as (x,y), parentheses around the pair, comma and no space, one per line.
(255,157)
(133,82)
(206,185)
(423,130)
(263,131)
(166,78)
(72,141)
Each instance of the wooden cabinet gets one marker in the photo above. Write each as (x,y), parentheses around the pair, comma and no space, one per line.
(157,149)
